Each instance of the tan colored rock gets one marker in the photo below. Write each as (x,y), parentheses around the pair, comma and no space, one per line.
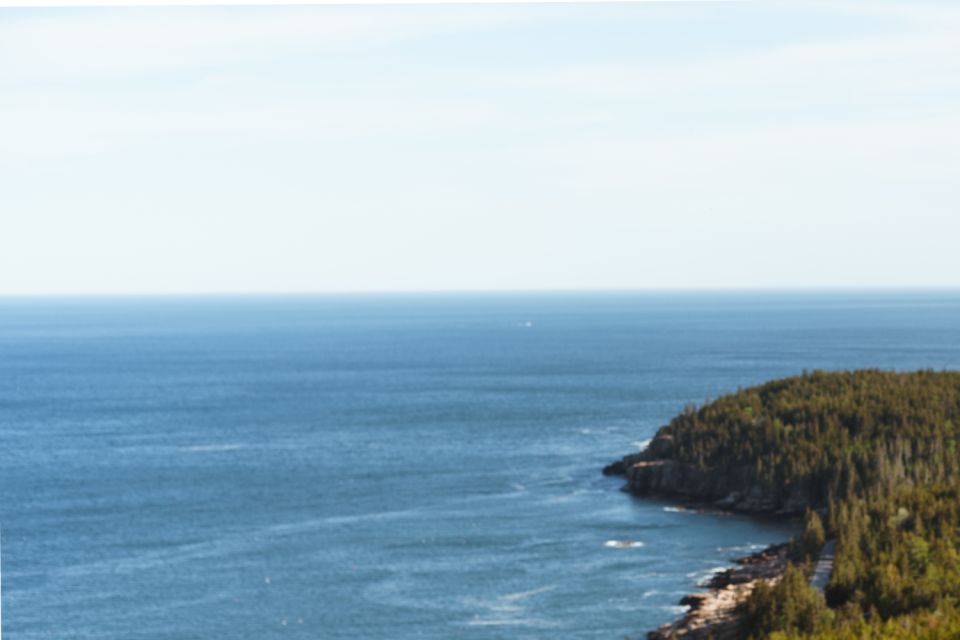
(713,614)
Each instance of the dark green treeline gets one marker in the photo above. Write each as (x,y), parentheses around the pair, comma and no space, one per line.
(874,452)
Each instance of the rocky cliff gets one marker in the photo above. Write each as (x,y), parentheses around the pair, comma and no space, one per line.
(655,473)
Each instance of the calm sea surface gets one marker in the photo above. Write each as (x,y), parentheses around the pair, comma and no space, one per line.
(384,467)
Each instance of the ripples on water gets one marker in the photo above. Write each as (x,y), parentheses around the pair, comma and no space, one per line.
(404,467)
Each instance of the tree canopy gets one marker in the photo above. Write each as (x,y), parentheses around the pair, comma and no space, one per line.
(876,452)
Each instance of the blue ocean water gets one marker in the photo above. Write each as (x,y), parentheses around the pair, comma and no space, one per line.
(385,466)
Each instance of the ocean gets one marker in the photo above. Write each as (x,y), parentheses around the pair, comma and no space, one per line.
(386,466)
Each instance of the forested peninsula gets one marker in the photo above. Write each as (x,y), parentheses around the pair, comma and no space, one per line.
(869,459)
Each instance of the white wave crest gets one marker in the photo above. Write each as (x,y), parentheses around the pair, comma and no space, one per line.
(702,577)
(204,448)
(623,544)
(509,610)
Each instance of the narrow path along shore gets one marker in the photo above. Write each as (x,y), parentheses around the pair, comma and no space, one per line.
(821,574)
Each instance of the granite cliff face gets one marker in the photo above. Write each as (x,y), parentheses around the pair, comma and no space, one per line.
(655,473)
(713,614)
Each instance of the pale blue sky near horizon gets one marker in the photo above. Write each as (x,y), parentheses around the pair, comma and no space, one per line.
(466,147)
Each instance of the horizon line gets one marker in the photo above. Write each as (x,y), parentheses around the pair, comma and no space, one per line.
(490,291)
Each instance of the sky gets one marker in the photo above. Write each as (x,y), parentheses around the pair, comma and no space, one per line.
(479,147)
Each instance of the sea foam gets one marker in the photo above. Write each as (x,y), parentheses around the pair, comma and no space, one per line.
(623,544)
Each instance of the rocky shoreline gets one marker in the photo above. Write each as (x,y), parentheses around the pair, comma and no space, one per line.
(713,612)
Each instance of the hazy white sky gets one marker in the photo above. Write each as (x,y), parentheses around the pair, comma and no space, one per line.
(479,147)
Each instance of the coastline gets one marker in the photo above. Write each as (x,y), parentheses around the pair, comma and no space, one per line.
(868,457)
(713,611)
